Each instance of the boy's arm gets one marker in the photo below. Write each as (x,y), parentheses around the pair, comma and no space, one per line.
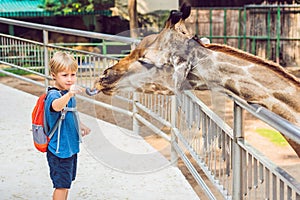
(60,103)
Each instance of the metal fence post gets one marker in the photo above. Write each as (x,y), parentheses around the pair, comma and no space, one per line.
(174,155)
(245,29)
(278,32)
(237,153)
(46,57)
(135,122)
(104,48)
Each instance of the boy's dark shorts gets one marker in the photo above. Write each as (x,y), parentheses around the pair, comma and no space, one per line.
(62,170)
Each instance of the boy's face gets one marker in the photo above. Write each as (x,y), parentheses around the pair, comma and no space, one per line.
(64,79)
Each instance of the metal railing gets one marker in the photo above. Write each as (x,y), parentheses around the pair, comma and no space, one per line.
(196,134)
(237,169)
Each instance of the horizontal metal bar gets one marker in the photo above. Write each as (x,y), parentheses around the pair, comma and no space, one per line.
(272,6)
(20,39)
(69,31)
(247,6)
(152,127)
(22,78)
(247,37)
(285,127)
(123,99)
(25,69)
(82,51)
(107,43)
(282,125)
(153,115)
(105,105)
(217,8)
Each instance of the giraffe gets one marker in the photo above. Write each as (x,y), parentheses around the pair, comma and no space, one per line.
(175,60)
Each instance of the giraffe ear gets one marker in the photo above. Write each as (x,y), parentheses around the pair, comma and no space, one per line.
(175,17)
(169,22)
(186,10)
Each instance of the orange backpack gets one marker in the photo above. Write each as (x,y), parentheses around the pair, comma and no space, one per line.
(41,134)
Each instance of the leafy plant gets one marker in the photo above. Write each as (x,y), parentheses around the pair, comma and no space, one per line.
(68,6)
(274,136)
(15,71)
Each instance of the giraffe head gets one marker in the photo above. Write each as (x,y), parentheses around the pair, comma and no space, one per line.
(174,60)
(149,68)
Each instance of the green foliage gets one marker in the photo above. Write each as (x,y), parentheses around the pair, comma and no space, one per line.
(14,71)
(274,136)
(154,19)
(69,6)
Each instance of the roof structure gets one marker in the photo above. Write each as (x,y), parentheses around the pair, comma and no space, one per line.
(31,8)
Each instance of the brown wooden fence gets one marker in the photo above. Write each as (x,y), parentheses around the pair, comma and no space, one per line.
(271,32)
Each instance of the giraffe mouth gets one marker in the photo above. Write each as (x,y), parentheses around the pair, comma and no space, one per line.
(99,88)
(95,90)
(92,92)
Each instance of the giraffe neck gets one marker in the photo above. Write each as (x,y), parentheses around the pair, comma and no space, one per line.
(252,80)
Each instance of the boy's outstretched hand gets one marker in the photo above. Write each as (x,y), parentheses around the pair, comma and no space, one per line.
(75,89)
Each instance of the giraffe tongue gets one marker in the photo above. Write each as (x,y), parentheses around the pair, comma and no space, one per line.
(92,92)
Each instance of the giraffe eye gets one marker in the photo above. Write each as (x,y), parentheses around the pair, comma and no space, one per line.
(146,63)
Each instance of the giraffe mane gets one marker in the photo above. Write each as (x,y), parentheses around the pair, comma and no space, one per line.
(134,55)
(252,58)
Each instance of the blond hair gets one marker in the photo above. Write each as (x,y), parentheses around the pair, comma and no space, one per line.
(62,61)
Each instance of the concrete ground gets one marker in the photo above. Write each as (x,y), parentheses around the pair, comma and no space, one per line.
(113,163)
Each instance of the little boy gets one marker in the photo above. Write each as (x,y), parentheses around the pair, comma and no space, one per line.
(64,145)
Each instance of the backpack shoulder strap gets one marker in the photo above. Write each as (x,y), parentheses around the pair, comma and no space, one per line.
(70,109)
(52,88)
(52,131)
(54,128)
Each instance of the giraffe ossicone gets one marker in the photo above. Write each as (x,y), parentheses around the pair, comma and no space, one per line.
(175,60)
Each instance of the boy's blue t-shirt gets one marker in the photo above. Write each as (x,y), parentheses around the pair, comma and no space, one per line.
(69,138)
